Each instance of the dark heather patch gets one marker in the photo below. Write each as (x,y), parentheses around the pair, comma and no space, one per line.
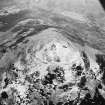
(57,74)
(97,100)
(49,79)
(51,103)
(100,59)
(60,103)
(82,82)
(86,60)
(99,86)
(78,69)
(64,87)
(4,95)
(103,77)
(69,103)
(2,51)
(6,80)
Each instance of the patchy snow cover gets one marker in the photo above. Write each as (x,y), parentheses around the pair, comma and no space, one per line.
(52,67)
